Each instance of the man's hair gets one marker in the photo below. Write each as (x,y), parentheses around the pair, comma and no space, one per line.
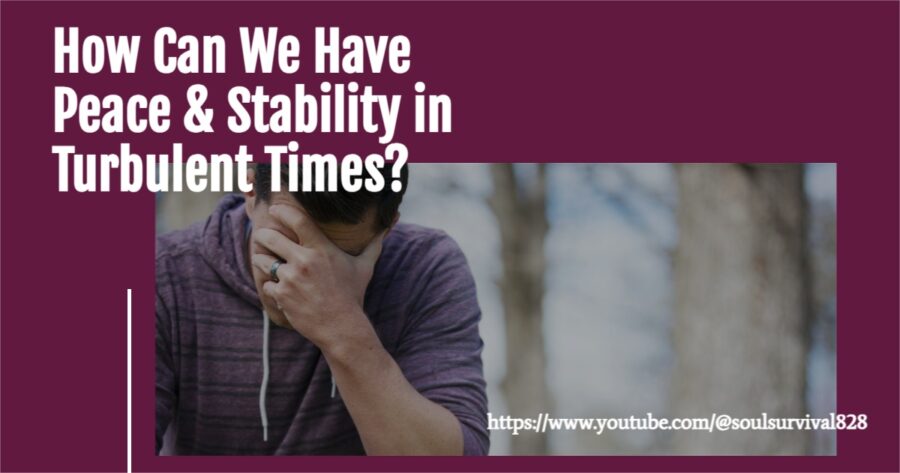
(342,206)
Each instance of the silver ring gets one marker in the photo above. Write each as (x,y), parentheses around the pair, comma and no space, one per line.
(273,271)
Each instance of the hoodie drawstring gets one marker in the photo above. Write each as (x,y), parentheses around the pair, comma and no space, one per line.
(265,379)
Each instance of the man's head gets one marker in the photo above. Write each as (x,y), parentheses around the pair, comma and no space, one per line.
(350,220)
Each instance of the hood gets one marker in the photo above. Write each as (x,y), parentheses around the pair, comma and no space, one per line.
(223,246)
(223,243)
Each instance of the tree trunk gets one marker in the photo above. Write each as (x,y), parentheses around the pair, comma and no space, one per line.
(742,304)
(522,219)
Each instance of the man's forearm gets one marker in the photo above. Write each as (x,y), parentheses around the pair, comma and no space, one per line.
(391,416)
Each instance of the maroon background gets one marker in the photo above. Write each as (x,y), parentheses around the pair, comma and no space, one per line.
(699,82)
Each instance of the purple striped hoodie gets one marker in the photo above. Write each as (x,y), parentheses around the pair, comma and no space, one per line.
(209,345)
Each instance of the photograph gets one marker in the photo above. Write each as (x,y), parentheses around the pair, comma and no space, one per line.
(447,319)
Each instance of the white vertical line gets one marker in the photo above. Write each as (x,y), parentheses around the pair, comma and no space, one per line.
(128,434)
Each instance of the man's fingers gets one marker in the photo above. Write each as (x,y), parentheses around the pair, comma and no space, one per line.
(269,290)
(277,243)
(263,262)
(308,233)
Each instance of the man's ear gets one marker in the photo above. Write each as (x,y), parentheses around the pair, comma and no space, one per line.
(250,196)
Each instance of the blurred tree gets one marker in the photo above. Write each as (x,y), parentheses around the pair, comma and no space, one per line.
(823,250)
(742,304)
(521,212)
(823,246)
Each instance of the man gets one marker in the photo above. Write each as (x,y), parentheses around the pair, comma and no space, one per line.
(314,323)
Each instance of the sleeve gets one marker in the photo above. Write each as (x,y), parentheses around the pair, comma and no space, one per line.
(440,347)
(166,387)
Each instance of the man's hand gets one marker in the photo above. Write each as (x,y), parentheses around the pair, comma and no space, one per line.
(321,291)
(320,288)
